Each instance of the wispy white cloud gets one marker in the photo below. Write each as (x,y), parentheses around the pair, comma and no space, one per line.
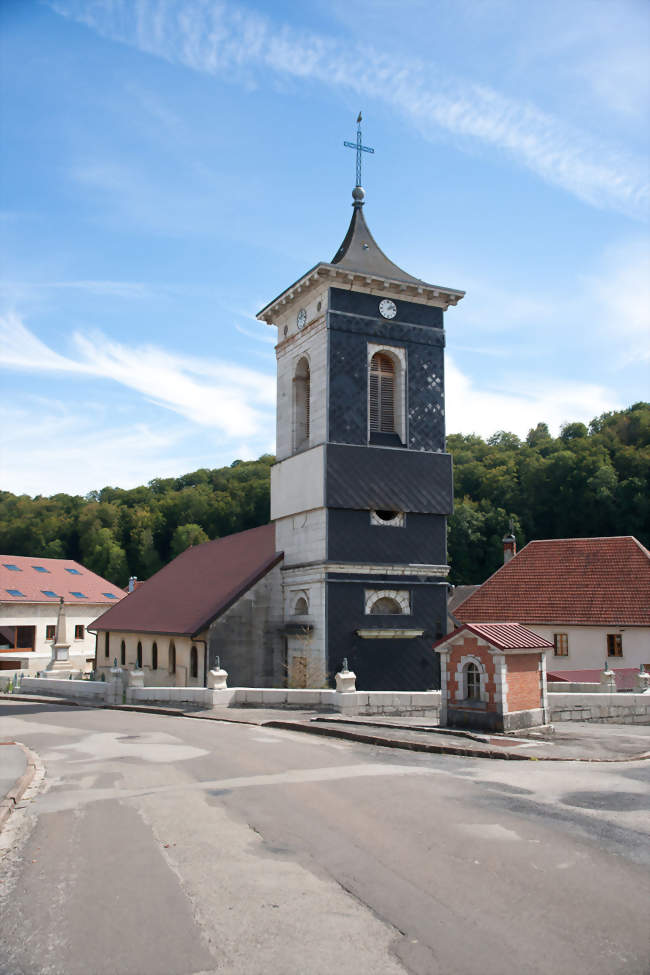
(114,289)
(519,405)
(235,400)
(224,39)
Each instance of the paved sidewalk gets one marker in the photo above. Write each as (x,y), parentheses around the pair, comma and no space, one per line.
(567,741)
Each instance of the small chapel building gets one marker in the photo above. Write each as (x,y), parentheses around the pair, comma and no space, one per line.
(354,562)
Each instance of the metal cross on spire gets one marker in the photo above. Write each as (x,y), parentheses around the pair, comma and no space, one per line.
(358,145)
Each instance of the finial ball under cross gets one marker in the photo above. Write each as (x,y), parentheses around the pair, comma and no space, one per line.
(358,145)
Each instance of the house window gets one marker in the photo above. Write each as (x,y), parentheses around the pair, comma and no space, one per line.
(79,631)
(50,631)
(194,663)
(154,656)
(561,644)
(382,394)
(301,404)
(172,657)
(138,656)
(107,644)
(123,653)
(614,645)
(472,682)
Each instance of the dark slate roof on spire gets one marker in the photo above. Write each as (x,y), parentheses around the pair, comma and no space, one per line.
(361,252)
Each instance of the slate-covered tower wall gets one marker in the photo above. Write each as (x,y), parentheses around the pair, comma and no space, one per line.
(412,478)
(360,513)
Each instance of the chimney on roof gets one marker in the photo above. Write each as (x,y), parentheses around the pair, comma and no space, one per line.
(509,547)
(133,582)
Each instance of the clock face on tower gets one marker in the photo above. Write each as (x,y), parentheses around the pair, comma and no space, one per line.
(387,308)
(301,319)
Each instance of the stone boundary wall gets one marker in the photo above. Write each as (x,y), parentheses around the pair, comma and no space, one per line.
(600,708)
(420,703)
(87,690)
(571,687)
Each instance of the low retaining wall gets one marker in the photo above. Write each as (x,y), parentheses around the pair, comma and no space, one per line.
(422,703)
(571,687)
(600,708)
(87,690)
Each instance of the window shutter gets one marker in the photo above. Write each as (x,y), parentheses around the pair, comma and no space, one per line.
(382,394)
(307,403)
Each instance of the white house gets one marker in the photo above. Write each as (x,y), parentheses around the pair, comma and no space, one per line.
(589,597)
(30,591)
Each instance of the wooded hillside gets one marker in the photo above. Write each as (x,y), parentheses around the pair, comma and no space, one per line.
(591,480)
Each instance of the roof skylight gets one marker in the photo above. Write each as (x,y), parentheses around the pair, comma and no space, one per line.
(109,595)
(48,592)
(73,572)
(40,568)
(11,567)
(79,595)
(15,592)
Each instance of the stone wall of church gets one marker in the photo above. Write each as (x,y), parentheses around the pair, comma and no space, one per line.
(312,344)
(248,637)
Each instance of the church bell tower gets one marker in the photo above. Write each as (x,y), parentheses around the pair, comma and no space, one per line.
(362,486)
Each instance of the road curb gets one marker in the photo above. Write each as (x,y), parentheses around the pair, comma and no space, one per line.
(15,794)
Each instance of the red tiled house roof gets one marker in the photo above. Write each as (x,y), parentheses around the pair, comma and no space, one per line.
(575,581)
(200,584)
(32,577)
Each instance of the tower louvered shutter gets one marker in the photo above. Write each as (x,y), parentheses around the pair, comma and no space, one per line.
(307,403)
(382,394)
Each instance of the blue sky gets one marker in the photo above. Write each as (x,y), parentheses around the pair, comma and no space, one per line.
(169,166)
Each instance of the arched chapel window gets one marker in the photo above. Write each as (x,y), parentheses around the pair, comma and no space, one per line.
(172,657)
(382,394)
(473,682)
(107,644)
(122,653)
(154,656)
(301,404)
(138,656)
(194,662)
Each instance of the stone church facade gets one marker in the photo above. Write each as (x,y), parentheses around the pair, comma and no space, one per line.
(360,492)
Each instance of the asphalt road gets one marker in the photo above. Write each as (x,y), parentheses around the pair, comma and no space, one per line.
(171,846)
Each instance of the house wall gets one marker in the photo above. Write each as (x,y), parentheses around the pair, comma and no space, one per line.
(41,615)
(588,646)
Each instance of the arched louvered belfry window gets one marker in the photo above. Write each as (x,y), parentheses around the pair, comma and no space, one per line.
(386,606)
(381,402)
(194,663)
(301,404)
